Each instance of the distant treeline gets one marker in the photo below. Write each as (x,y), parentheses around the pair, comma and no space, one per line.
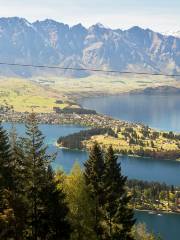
(74,141)
(74,110)
(156,185)
(169,154)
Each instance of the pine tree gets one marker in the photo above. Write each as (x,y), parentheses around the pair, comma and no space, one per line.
(35,163)
(94,168)
(6,168)
(20,201)
(118,216)
(6,187)
(53,220)
(51,211)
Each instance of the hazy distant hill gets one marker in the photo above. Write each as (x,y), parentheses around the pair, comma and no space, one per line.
(53,43)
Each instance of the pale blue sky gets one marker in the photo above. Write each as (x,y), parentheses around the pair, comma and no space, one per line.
(159,15)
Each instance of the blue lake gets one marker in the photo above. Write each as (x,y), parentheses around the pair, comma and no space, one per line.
(166,225)
(157,111)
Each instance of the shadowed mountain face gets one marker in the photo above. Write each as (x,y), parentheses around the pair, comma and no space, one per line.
(52,43)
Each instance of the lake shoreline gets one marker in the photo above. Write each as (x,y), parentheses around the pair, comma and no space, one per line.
(118,154)
(98,121)
(156,212)
(143,91)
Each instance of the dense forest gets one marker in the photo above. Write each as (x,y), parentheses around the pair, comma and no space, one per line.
(40,204)
(74,110)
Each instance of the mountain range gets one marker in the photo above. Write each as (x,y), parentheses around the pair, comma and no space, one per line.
(52,43)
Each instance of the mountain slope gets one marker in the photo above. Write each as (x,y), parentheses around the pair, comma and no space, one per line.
(51,43)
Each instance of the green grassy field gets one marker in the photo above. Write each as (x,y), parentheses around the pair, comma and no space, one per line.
(41,93)
(26,95)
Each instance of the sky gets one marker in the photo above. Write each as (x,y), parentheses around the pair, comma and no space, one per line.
(159,15)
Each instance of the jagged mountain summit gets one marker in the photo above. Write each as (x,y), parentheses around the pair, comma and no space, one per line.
(52,43)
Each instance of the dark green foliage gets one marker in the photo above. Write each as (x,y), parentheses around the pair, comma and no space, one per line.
(94,168)
(71,110)
(52,221)
(6,186)
(31,205)
(118,216)
(171,135)
(6,167)
(36,162)
(113,217)
(155,135)
(20,200)
(39,183)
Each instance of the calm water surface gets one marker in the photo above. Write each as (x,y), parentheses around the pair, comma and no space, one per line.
(167,225)
(157,111)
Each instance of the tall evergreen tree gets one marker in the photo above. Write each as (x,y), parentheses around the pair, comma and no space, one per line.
(6,187)
(20,201)
(54,224)
(6,166)
(119,217)
(94,169)
(36,162)
(38,181)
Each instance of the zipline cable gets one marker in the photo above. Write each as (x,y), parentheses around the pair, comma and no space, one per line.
(88,69)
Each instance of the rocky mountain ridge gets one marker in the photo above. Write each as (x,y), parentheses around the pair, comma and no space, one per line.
(52,43)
